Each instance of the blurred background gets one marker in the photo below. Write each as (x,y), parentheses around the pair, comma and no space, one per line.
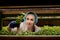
(48,15)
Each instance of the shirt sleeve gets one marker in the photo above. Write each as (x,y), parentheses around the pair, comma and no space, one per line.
(23,27)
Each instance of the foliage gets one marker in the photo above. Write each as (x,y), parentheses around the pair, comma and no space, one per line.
(45,30)
(20,18)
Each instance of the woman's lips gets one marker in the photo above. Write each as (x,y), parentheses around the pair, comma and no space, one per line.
(29,23)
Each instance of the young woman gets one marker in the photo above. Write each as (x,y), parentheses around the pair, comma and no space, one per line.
(29,23)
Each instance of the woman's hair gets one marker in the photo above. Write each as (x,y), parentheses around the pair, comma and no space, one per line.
(36,17)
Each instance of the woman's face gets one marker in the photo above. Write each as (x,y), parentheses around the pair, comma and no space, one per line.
(30,20)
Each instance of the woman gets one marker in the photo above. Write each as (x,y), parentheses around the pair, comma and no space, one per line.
(29,23)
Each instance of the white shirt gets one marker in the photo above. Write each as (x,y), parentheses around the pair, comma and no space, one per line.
(23,27)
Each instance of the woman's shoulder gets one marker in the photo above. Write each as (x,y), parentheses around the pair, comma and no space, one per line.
(22,24)
(23,27)
(37,28)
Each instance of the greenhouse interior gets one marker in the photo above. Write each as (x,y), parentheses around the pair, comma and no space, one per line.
(48,19)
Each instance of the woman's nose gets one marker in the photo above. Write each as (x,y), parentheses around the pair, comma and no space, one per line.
(29,21)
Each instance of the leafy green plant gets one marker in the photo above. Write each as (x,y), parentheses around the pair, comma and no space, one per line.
(45,30)
(20,18)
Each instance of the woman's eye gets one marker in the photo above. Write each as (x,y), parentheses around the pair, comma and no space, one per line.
(27,18)
(31,19)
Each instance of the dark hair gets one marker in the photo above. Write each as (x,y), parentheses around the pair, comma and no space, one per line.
(33,29)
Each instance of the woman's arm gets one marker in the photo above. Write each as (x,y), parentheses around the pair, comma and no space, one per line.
(21,28)
(18,30)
